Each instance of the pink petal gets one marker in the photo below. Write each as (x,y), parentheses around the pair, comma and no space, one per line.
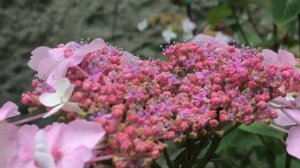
(73,135)
(207,38)
(270,57)
(286,58)
(279,102)
(79,54)
(53,134)
(50,99)
(9,109)
(292,142)
(297,100)
(38,54)
(26,144)
(8,143)
(293,114)
(58,73)
(128,58)
(45,67)
(283,119)
(57,54)
(75,159)
(72,107)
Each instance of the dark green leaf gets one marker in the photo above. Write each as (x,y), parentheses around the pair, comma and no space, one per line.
(284,11)
(238,139)
(262,129)
(217,14)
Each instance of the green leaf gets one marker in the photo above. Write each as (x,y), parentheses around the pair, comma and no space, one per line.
(173,151)
(284,11)
(238,139)
(217,14)
(262,129)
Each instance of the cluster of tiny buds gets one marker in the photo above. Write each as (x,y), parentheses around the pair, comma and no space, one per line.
(142,103)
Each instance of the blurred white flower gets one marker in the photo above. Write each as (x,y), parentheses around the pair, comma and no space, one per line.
(187,25)
(168,35)
(223,37)
(142,25)
(60,98)
(188,36)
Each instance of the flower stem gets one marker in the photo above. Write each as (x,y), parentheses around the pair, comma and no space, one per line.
(167,157)
(288,160)
(25,120)
(210,152)
(101,158)
(299,32)
(197,150)
(279,128)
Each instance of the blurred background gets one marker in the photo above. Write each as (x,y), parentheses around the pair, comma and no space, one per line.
(145,27)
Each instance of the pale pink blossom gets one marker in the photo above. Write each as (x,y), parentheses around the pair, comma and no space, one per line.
(8,144)
(56,146)
(289,115)
(287,109)
(25,147)
(52,64)
(9,109)
(60,98)
(283,57)
(203,38)
(292,142)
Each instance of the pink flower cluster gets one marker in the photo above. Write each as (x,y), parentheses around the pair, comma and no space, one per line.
(141,104)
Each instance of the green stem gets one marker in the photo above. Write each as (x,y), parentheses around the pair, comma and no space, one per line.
(214,146)
(155,165)
(252,22)
(167,157)
(288,161)
(288,158)
(188,146)
(238,24)
(276,42)
(299,32)
(210,152)
(196,152)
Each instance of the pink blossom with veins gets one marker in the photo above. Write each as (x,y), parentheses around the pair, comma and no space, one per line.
(8,144)
(283,57)
(52,64)
(288,109)
(56,146)
(206,38)
(9,109)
